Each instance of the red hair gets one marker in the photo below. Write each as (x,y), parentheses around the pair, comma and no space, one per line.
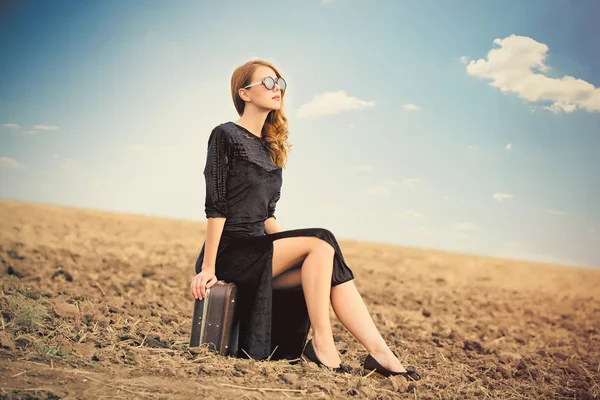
(275,129)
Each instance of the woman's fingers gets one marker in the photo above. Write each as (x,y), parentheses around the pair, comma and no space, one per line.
(202,286)
(197,285)
(192,290)
(200,283)
(211,282)
(194,287)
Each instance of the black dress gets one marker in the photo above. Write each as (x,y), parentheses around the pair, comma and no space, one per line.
(243,185)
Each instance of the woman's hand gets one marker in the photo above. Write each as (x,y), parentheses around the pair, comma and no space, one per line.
(204,280)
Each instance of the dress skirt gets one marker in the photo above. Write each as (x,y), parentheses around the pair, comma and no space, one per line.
(274,323)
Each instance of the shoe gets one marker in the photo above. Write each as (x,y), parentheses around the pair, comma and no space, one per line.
(371,364)
(309,352)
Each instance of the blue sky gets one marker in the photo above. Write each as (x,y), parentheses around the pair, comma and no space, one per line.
(469,126)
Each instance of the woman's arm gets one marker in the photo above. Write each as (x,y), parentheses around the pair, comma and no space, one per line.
(216,204)
(271,226)
(214,229)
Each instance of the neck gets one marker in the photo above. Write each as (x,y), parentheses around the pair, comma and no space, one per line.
(253,120)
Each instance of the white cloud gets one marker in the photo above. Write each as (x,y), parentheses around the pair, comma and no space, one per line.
(502,196)
(445,198)
(464,59)
(361,168)
(408,181)
(12,126)
(410,214)
(66,164)
(380,191)
(555,212)
(332,103)
(473,147)
(466,226)
(424,230)
(383,190)
(46,127)
(509,146)
(411,107)
(17,126)
(462,236)
(10,163)
(593,230)
(69,164)
(351,126)
(518,66)
(558,107)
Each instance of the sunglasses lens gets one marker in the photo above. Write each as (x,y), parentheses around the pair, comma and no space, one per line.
(282,84)
(269,82)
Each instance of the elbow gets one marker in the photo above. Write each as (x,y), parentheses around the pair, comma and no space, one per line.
(213,213)
(216,210)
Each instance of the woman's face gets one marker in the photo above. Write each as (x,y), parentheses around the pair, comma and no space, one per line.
(260,95)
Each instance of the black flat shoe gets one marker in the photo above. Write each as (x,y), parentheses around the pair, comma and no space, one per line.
(309,352)
(371,364)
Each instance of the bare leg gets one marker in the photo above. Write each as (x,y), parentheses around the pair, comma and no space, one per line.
(316,283)
(315,258)
(352,312)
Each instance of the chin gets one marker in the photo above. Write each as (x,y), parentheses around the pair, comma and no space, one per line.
(273,105)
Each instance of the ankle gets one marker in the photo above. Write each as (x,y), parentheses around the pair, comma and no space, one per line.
(381,352)
(322,340)
(326,351)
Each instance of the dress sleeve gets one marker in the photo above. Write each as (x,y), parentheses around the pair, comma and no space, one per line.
(215,175)
(272,204)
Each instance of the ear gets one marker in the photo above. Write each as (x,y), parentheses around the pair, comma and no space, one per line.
(243,94)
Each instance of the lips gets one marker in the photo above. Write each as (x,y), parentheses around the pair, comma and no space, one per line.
(276,98)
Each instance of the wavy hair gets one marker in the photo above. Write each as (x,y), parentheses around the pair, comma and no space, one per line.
(275,129)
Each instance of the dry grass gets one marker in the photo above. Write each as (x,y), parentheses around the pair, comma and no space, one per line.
(96,305)
(24,314)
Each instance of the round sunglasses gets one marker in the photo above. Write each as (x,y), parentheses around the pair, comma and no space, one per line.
(269,83)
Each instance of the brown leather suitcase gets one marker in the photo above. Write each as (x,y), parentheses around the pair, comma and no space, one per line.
(215,321)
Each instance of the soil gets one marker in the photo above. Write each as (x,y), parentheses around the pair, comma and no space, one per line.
(96,304)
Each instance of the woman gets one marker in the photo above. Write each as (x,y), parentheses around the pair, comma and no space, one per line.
(285,279)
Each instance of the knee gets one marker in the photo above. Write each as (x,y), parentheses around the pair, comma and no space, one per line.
(323,247)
